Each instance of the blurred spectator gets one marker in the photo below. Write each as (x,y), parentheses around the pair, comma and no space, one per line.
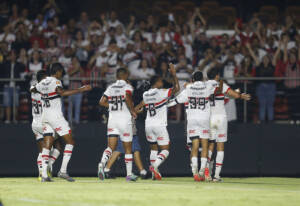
(34,66)
(74,101)
(12,70)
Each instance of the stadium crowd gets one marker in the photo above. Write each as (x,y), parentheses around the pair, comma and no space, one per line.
(95,47)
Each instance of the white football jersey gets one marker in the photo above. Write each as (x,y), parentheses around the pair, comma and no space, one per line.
(51,100)
(156,101)
(218,105)
(196,98)
(37,109)
(116,94)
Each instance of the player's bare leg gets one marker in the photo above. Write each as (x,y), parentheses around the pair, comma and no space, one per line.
(161,157)
(112,143)
(115,155)
(204,154)
(54,154)
(139,164)
(128,161)
(194,158)
(48,142)
(219,161)
(66,158)
(210,161)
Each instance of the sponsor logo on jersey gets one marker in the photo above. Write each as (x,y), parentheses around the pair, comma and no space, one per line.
(126,134)
(160,138)
(58,129)
(192,131)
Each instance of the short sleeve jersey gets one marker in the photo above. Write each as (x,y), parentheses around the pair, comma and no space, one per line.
(156,101)
(196,98)
(116,94)
(50,98)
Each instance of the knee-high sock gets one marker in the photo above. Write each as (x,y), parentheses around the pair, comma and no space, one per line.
(203,164)
(67,156)
(208,158)
(128,162)
(219,163)
(105,156)
(163,155)
(39,163)
(194,165)
(45,161)
(53,156)
(153,156)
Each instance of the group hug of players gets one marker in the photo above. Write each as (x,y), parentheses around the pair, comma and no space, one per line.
(205,114)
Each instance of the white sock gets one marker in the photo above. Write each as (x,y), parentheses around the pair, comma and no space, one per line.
(143,172)
(45,161)
(105,156)
(219,163)
(163,155)
(203,164)
(194,164)
(128,162)
(39,163)
(208,158)
(153,156)
(54,154)
(106,169)
(66,158)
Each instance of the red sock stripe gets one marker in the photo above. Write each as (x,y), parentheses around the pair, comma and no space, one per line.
(52,157)
(39,162)
(219,164)
(152,160)
(45,156)
(68,151)
(127,160)
(108,152)
(162,155)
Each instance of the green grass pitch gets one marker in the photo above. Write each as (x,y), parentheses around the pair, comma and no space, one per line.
(168,192)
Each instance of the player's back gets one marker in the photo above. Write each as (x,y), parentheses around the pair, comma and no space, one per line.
(37,110)
(116,95)
(218,103)
(51,99)
(156,105)
(198,95)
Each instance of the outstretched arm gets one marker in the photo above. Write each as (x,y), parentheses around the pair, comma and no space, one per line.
(139,108)
(65,93)
(176,86)
(237,95)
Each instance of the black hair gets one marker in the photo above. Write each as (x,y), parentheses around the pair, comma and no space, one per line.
(40,75)
(121,71)
(154,79)
(112,41)
(197,76)
(213,73)
(55,67)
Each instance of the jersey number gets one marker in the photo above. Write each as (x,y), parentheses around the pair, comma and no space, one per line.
(46,103)
(152,110)
(117,103)
(197,103)
(36,108)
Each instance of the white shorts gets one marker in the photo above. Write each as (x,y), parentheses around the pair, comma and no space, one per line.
(55,123)
(37,129)
(120,129)
(197,128)
(157,134)
(218,128)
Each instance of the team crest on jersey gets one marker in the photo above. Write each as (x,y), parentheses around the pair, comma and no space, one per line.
(58,129)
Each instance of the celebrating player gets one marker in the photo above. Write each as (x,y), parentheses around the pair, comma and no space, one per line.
(53,120)
(196,98)
(118,98)
(218,120)
(155,100)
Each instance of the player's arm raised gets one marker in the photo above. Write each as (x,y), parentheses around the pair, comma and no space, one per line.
(140,107)
(130,105)
(219,89)
(70,92)
(176,86)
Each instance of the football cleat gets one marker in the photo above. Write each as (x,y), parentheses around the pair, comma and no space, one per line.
(131,178)
(207,175)
(202,175)
(217,179)
(156,173)
(108,175)
(197,178)
(65,176)
(40,178)
(145,176)
(101,174)
(49,171)
(46,179)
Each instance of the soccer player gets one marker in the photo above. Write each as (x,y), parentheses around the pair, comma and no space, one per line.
(196,98)
(218,121)
(155,101)
(118,98)
(37,127)
(53,120)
